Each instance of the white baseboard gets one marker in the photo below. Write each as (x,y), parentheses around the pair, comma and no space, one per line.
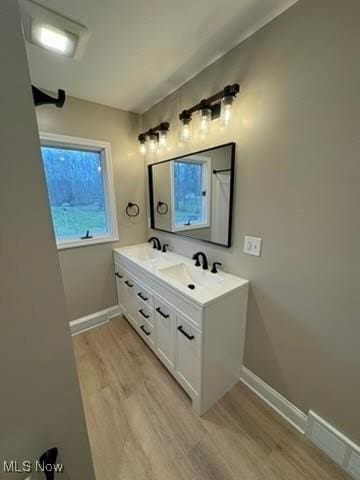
(336,445)
(332,442)
(94,320)
(283,407)
(114,311)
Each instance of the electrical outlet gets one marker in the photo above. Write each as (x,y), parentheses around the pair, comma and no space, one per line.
(252,246)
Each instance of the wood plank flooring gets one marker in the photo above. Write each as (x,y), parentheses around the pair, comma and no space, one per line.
(141,424)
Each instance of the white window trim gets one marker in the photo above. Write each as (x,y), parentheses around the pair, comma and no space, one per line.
(52,139)
(207,184)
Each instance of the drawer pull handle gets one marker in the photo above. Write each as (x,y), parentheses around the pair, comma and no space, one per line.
(190,337)
(143,314)
(118,275)
(142,297)
(143,329)
(129,284)
(162,313)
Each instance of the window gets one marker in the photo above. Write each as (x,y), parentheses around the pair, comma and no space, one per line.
(80,189)
(191,194)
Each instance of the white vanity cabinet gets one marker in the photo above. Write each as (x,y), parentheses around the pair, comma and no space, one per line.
(200,343)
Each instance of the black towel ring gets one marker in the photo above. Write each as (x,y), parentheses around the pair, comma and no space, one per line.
(134,207)
(162,208)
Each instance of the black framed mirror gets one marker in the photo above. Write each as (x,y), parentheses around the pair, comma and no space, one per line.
(192,195)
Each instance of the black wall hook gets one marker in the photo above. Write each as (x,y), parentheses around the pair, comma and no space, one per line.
(42,98)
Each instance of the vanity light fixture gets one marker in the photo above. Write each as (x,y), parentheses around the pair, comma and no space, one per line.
(185,131)
(154,138)
(152,142)
(226,106)
(206,116)
(142,145)
(162,136)
(218,105)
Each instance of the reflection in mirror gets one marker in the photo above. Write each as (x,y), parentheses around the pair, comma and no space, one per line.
(192,195)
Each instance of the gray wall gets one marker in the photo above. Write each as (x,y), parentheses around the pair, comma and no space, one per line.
(88,272)
(40,398)
(296,124)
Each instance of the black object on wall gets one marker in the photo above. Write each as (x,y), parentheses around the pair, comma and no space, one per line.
(227,213)
(132,209)
(42,98)
(47,462)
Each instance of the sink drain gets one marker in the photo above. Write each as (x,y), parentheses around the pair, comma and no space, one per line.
(191,286)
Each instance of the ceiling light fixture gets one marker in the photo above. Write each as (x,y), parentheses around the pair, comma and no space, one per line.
(218,105)
(52,31)
(54,39)
(154,138)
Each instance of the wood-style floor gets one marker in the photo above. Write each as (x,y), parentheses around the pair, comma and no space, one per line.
(142,427)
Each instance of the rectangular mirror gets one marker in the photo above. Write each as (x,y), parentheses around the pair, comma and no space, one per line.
(192,195)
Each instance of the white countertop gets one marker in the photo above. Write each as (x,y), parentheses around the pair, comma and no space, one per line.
(178,271)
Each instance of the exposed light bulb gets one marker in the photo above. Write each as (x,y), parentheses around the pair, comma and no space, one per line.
(185,132)
(163,140)
(142,148)
(152,143)
(226,109)
(205,121)
(142,144)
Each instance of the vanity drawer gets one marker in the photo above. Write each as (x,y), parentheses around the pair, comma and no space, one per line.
(144,312)
(144,296)
(146,331)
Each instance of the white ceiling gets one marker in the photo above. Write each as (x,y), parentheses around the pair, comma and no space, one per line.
(139,51)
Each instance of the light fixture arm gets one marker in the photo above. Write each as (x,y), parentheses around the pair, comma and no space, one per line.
(162,127)
(212,102)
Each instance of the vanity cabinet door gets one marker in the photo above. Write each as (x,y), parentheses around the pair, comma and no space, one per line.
(119,276)
(164,327)
(188,353)
(130,305)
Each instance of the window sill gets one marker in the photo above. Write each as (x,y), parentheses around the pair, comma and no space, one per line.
(86,243)
(190,227)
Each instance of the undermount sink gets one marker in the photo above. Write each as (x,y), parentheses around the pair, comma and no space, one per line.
(143,253)
(191,277)
(158,262)
(150,257)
